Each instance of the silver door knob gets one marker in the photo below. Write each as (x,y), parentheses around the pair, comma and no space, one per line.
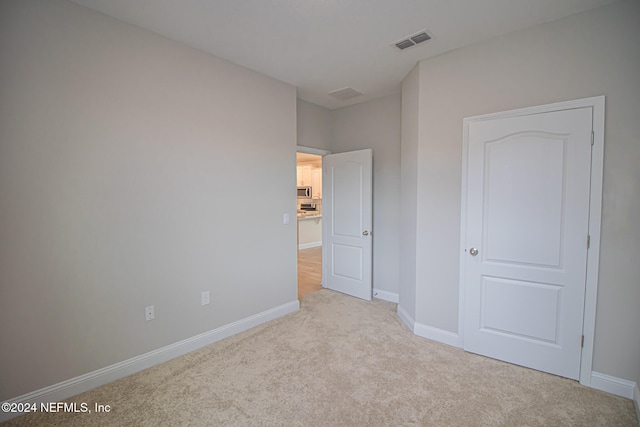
(365,233)
(473,251)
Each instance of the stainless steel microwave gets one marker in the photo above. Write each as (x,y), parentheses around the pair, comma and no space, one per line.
(304,192)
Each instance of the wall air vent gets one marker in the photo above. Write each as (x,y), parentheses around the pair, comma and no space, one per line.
(345,93)
(413,40)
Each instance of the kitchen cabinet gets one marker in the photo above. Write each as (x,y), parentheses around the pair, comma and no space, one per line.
(316,183)
(303,175)
(309,232)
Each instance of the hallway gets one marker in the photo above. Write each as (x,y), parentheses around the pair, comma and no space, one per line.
(309,271)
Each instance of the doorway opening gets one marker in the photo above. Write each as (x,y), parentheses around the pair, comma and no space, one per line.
(309,220)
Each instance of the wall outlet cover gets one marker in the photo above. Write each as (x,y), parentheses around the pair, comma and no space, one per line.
(205,298)
(149,313)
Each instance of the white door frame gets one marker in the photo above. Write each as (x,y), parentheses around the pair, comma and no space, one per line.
(310,150)
(595,212)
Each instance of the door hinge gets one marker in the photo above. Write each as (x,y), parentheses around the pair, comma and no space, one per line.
(588,241)
(592,137)
(582,342)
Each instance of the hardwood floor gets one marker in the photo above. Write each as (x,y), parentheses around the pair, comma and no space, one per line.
(309,271)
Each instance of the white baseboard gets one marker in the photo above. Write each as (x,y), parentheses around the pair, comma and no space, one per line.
(82,383)
(437,334)
(309,245)
(405,317)
(428,332)
(386,295)
(613,385)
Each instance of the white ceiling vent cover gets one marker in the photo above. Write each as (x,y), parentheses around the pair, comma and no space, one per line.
(345,93)
(413,40)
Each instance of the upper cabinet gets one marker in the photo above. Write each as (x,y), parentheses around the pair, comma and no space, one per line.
(304,176)
(309,173)
(316,183)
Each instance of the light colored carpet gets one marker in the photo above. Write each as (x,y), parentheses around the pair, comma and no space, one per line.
(340,361)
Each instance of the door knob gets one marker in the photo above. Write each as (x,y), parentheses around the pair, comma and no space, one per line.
(365,233)
(473,251)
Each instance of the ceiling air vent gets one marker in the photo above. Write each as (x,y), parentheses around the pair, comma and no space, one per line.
(413,40)
(345,93)
(405,44)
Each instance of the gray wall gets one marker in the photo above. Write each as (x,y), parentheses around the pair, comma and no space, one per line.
(593,53)
(123,158)
(314,126)
(376,124)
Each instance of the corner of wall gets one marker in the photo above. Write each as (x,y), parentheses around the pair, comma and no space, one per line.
(437,334)
(405,317)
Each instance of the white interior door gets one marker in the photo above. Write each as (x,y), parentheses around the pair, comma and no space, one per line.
(347,219)
(525,247)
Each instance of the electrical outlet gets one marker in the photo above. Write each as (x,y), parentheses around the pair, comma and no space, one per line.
(205,298)
(149,313)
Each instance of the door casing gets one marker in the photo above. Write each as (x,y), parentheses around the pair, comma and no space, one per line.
(595,211)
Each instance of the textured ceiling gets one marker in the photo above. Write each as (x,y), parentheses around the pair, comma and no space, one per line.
(320,46)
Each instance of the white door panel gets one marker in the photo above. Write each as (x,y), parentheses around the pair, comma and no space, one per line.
(527,214)
(347,261)
(347,185)
(347,218)
(524,204)
(513,307)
